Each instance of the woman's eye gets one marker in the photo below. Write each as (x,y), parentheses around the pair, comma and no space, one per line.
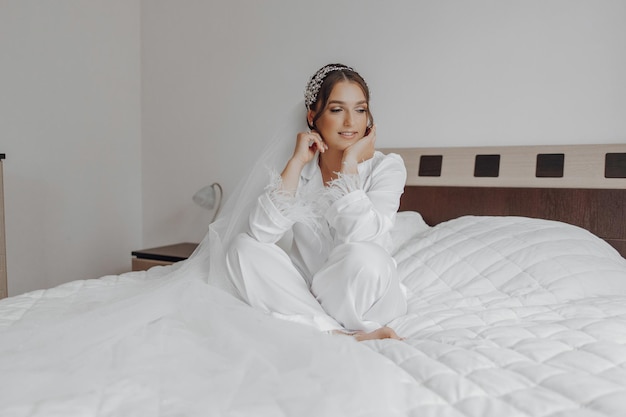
(361,110)
(336,110)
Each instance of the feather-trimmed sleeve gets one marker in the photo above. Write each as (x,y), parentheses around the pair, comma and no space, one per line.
(295,208)
(343,185)
(358,213)
(276,212)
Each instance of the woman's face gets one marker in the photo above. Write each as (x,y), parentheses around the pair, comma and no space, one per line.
(344,119)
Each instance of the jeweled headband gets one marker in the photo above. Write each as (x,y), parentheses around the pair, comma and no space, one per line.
(314,84)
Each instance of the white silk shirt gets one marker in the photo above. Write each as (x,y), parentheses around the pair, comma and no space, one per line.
(352,209)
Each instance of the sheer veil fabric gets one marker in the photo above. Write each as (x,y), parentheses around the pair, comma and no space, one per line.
(235,213)
(163,342)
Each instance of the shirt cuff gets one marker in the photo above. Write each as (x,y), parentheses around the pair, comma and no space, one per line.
(291,207)
(344,202)
(275,215)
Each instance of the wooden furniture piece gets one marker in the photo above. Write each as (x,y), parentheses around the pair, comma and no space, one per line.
(163,255)
(584,185)
(3,252)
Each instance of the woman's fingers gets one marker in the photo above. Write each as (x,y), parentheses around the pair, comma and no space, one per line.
(372,133)
(307,143)
(313,141)
(317,142)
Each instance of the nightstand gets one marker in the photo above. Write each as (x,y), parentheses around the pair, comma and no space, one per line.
(163,255)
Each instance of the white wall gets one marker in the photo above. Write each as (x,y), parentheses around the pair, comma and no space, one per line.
(102,101)
(71,128)
(217,76)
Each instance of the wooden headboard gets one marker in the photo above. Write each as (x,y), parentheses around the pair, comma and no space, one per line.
(584,185)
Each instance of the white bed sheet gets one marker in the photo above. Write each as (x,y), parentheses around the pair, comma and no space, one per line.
(99,348)
(508,317)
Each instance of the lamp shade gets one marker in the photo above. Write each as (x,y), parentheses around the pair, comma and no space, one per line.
(209,198)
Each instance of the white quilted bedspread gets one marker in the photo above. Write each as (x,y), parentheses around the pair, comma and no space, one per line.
(507,317)
(513,317)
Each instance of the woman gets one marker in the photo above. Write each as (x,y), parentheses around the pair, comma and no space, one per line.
(337,199)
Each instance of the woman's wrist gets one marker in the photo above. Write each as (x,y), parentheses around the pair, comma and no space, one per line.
(296,163)
(291,175)
(349,165)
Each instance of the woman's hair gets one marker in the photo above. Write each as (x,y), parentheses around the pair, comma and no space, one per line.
(316,94)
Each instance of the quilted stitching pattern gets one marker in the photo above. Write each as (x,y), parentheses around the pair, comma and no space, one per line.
(71,298)
(507,317)
(513,317)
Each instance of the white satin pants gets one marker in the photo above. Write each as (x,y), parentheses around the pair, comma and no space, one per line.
(356,289)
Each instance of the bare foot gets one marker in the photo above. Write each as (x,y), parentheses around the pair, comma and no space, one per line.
(382,333)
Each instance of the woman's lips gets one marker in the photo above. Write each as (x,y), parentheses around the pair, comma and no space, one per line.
(347,135)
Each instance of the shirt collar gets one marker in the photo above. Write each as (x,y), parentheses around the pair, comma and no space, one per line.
(313,167)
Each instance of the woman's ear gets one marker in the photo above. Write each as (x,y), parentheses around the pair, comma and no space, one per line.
(310,115)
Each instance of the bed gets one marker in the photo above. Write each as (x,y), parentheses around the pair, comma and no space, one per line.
(517,307)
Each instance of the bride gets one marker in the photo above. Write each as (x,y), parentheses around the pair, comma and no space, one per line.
(164,342)
(337,199)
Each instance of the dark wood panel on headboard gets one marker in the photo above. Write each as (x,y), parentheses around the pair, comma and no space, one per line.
(601,211)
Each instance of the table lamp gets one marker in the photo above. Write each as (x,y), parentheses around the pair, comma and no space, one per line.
(208,198)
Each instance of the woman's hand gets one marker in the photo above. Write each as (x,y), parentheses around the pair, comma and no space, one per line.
(360,151)
(307,143)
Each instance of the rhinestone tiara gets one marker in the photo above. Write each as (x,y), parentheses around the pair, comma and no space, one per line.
(314,84)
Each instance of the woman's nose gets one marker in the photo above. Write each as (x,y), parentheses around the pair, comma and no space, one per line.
(347,121)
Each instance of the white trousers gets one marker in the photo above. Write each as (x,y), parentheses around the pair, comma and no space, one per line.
(356,289)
